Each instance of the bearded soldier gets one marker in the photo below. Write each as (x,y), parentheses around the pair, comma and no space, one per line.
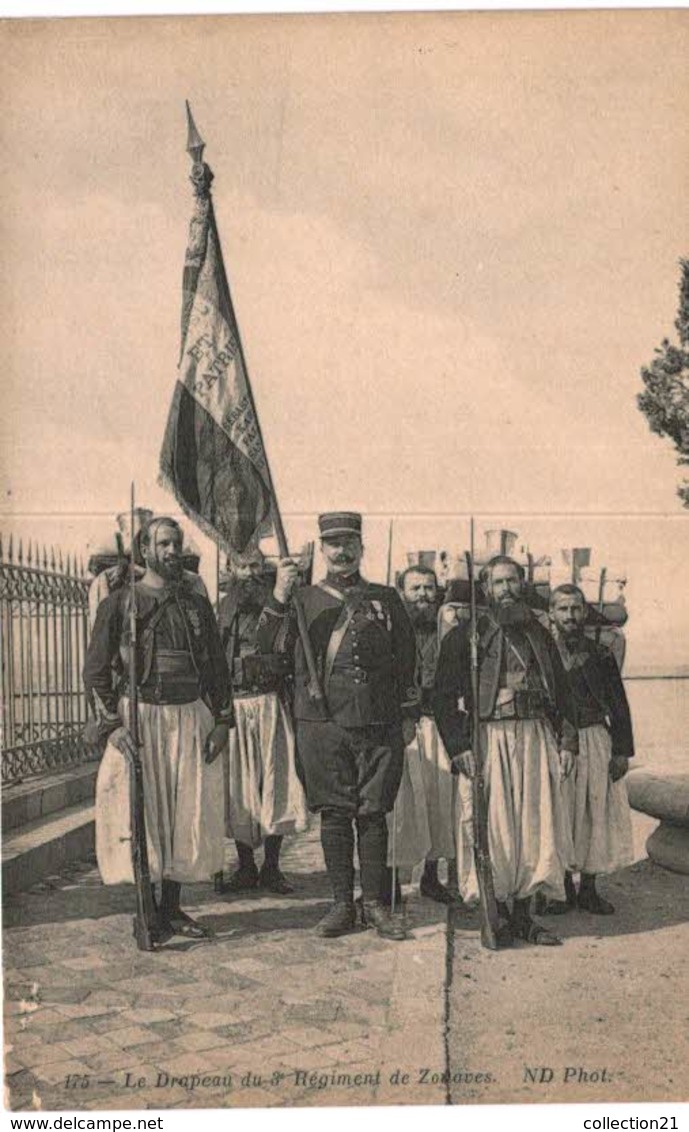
(528,742)
(350,753)
(424,811)
(111,577)
(264,797)
(595,794)
(184,715)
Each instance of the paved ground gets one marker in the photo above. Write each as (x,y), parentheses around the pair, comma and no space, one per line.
(268,1014)
(603,1018)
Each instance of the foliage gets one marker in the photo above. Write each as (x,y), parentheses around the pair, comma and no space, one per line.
(665,400)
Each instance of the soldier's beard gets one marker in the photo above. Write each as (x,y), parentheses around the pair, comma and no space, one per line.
(571,635)
(511,613)
(422,614)
(168,571)
(252,593)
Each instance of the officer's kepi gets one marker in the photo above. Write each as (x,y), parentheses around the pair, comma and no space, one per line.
(336,523)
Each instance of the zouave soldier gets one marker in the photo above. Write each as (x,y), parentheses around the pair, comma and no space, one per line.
(595,795)
(264,797)
(184,716)
(528,742)
(424,811)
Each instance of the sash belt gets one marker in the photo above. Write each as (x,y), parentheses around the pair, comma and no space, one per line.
(172,680)
(526,704)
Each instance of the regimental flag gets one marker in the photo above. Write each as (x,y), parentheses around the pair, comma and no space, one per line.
(213,457)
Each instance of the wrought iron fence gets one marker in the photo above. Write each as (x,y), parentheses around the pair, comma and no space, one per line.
(44,633)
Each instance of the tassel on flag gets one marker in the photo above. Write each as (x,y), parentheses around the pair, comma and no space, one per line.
(213,458)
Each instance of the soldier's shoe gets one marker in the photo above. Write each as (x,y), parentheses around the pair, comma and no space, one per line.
(374,914)
(570,890)
(523,927)
(435,890)
(244,879)
(591,901)
(503,933)
(545,907)
(339,920)
(554,908)
(160,931)
(179,923)
(272,880)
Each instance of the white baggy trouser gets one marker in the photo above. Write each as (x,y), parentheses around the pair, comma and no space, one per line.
(598,808)
(183,798)
(263,794)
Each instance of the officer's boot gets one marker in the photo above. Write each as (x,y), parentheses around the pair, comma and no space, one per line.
(337,839)
(372,834)
(387,889)
(590,900)
(270,876)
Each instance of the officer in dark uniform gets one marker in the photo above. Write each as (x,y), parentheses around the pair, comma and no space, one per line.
(350,752)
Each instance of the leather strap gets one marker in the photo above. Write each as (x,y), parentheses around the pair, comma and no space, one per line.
(334,644)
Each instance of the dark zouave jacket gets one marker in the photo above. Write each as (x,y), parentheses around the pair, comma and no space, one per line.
(179,653)
(427,651)
(251,672)
(598,692)
(528,647)
(364,648)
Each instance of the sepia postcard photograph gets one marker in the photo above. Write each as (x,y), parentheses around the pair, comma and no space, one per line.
(343,544)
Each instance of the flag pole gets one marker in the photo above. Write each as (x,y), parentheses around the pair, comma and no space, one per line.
(195,148)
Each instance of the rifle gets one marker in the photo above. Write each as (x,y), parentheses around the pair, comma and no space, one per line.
(393,895)
(490,920)
(145,920)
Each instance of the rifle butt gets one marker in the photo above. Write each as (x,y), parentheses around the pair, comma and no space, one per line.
(144,937)
(145,920)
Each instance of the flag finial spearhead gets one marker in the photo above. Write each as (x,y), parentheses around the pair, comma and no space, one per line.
(201,175)
(195,143)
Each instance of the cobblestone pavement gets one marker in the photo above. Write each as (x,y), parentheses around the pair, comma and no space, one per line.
(264,1014)
(268,1014)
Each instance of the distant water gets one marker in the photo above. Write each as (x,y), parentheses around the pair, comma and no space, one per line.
(660,715)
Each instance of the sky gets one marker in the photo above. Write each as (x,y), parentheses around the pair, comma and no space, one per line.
(452,241)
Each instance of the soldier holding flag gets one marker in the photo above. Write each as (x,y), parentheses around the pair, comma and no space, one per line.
(355,652)
(264,797)
(351,745)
